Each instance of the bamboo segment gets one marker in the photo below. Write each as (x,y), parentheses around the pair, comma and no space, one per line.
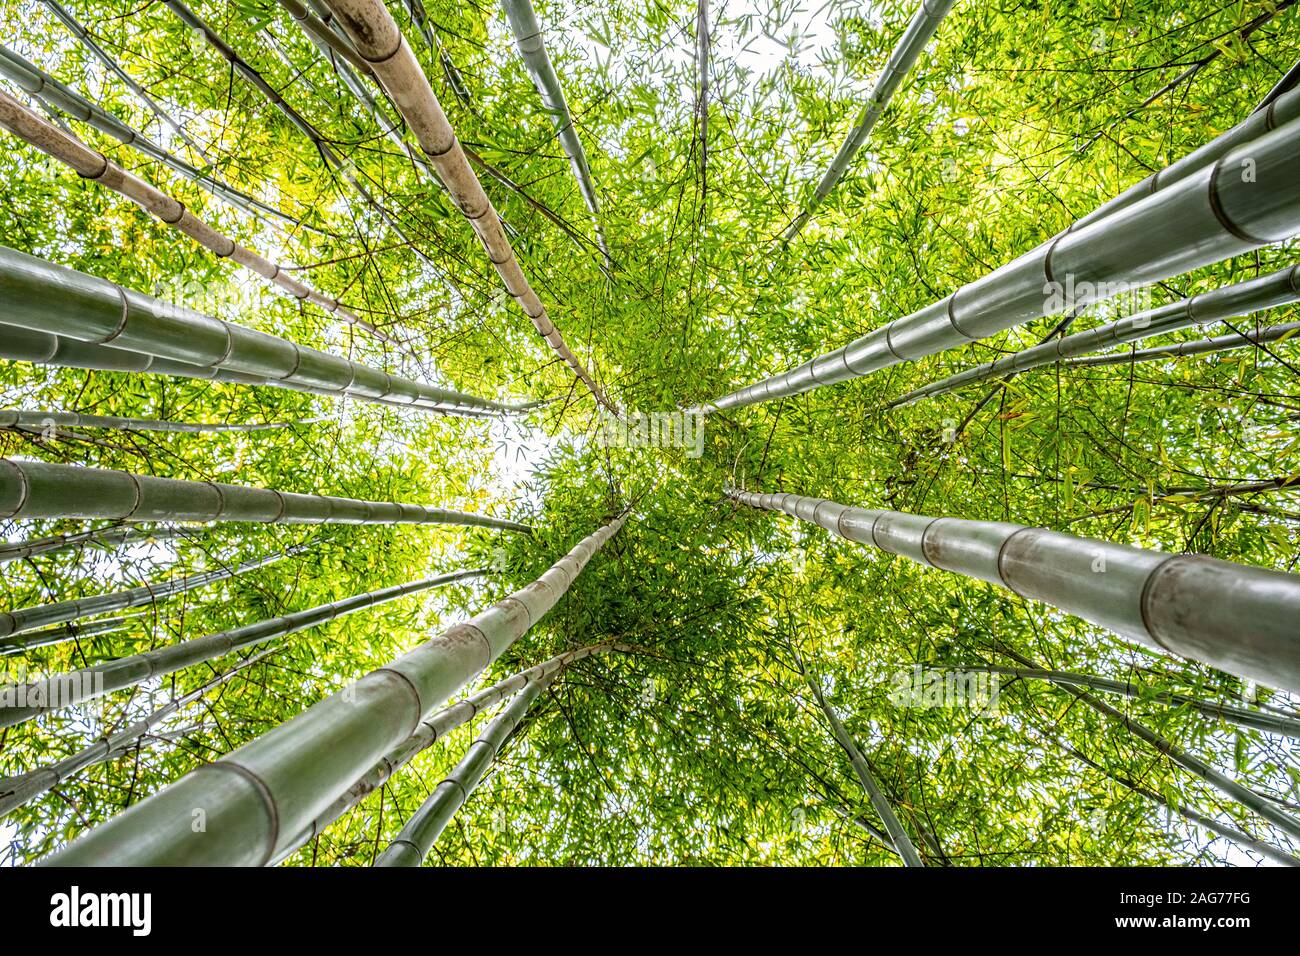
(44,418)
(86,683)
(433,729)
(924,23)
(377,37)
(1240,619)
(325,37)
(427,823)
(531,45)
(50,301)
(90,164)
(1220,343)
(37,489)
(1262,292)
(254,801)
(59,96)
(23,788)
(1242,717)
(99,537)
(1210,215)
(902,843)
(42,615)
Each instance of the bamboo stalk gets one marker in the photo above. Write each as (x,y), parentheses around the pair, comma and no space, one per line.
(37,489)
(324,37)
(56,95)
(51,302)
(531,44)
(924,23)
(90,164)
(255,800)
(1242,717)
(19,703)
(99,537)
(1244,795)
(1212,214)
(1263,292)
(1219,343)
(42,615)
(424,827)
(44,418)
(24,345)
(23,788)
(434,729)
(902,843)
(1237,618)
(1187,813)
(377,37)
(20,643)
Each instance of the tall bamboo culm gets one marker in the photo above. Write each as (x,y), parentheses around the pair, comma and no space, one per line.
(37,489)
(1263,292)
(1237,618)
(427,823)
(93,165)
(95,538)
(433,729)
(1219,343)
(71,688)
(531,45)
(1211,214)
(924,23)
(50,303)
(260,797)
(41,615)
(59,96)
(42,419)
(378,38)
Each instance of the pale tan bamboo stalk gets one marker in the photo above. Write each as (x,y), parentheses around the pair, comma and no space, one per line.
(378,39)
(91,164)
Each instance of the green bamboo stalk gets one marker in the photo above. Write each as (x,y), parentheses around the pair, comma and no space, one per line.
(434,729)
(23,788)
(89,164)
(36,489)
(1263,292)
(1255,720)
(531,45)
(42,615)
(924,23)
(1219,343)
(51,303)
(1214,213)
(255,800)
(427,823)
(325,38)
(1237,618)
(58,351)
(20,643)
(897,835)
(377,37)
(19,703)
(1187,813)
(97,537)
(44,418)
(1244,795)
(56,95)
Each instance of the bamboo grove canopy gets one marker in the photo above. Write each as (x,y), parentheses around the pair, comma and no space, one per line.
(679,433)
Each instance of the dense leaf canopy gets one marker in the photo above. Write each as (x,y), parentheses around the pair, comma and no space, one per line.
(704,746)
